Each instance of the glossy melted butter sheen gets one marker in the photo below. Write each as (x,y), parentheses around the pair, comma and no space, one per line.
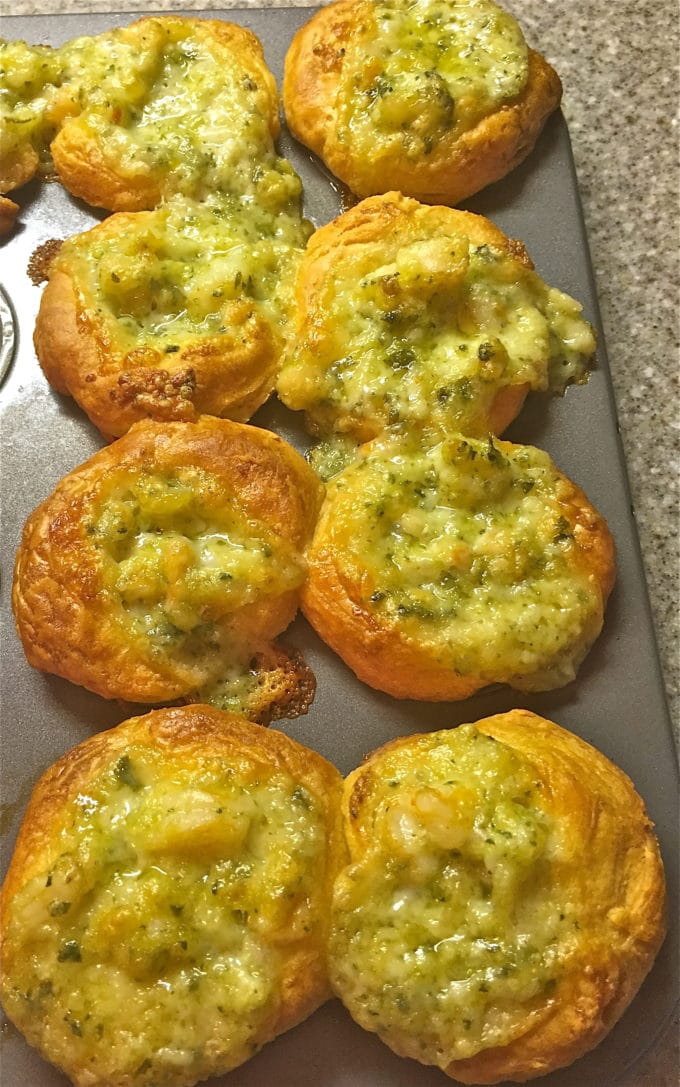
(468,547)
(182,106)
(28,75)
(173,274)
(178,563)
(426,68)
(447,928)
(162,98)
(430,335)
(170,883)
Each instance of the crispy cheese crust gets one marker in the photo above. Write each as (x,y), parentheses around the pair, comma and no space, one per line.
(163,567)
(168,928)
(170,314)
(415,316)
(369,90)
(504,898)
(437,569)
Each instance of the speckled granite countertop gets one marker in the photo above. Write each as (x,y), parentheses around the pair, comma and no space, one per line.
(618,63)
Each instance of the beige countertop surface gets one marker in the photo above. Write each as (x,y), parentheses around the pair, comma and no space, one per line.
(618,62)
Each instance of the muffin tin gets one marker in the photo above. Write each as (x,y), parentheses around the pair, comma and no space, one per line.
(617,702)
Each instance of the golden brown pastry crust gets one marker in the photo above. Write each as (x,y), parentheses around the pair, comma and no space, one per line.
(199,732)
(457,167)
(335,600)
(285,686)
(18,168)
(66,620)
(8,213)
(87,172)
(350,240)
(228,375)
(87,167)
(612,868)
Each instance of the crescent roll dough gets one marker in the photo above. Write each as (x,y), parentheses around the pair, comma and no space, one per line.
(412,316)
(163,567)
(28,78)
(439,568)
(166,908)
(504,898)
(434,98)
(130,117)
(172,313)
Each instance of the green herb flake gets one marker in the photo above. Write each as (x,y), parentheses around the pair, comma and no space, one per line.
(74,1024)
(58,909)
(301,796)
(400,357)
(69,952)
(125,773)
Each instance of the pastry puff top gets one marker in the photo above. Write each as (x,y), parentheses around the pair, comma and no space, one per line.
(504,898)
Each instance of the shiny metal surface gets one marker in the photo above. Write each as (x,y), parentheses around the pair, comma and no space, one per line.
(617,702)
(7,334)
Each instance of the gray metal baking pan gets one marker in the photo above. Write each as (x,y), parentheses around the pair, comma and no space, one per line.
(616,703)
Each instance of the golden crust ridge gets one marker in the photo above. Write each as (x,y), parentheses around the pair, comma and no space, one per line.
(66,616)
(459,165)
(203,735)
(609,864)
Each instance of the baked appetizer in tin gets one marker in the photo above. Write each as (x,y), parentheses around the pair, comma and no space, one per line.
(503,901)
(184,106)
(434,98)
(166,909)
(415,316)
(135,115)
(29,76)
(171,313)
(164,566)
(437,569)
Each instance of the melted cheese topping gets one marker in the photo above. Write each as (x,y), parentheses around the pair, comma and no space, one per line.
(426,69)
(423,330)
(472,553)
(28,75)
(152,943)
(169,276)
(163,98)
(96,69)
(178,559)
(449,932)
(238,688)
(185,107)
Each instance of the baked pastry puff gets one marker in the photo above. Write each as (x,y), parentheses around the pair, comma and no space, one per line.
(438,568)
(172,313)
(503,901)
(164,566)
(434,98)
(28,78)
(167,105)
(128,118)
(166,909)
(415,316)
